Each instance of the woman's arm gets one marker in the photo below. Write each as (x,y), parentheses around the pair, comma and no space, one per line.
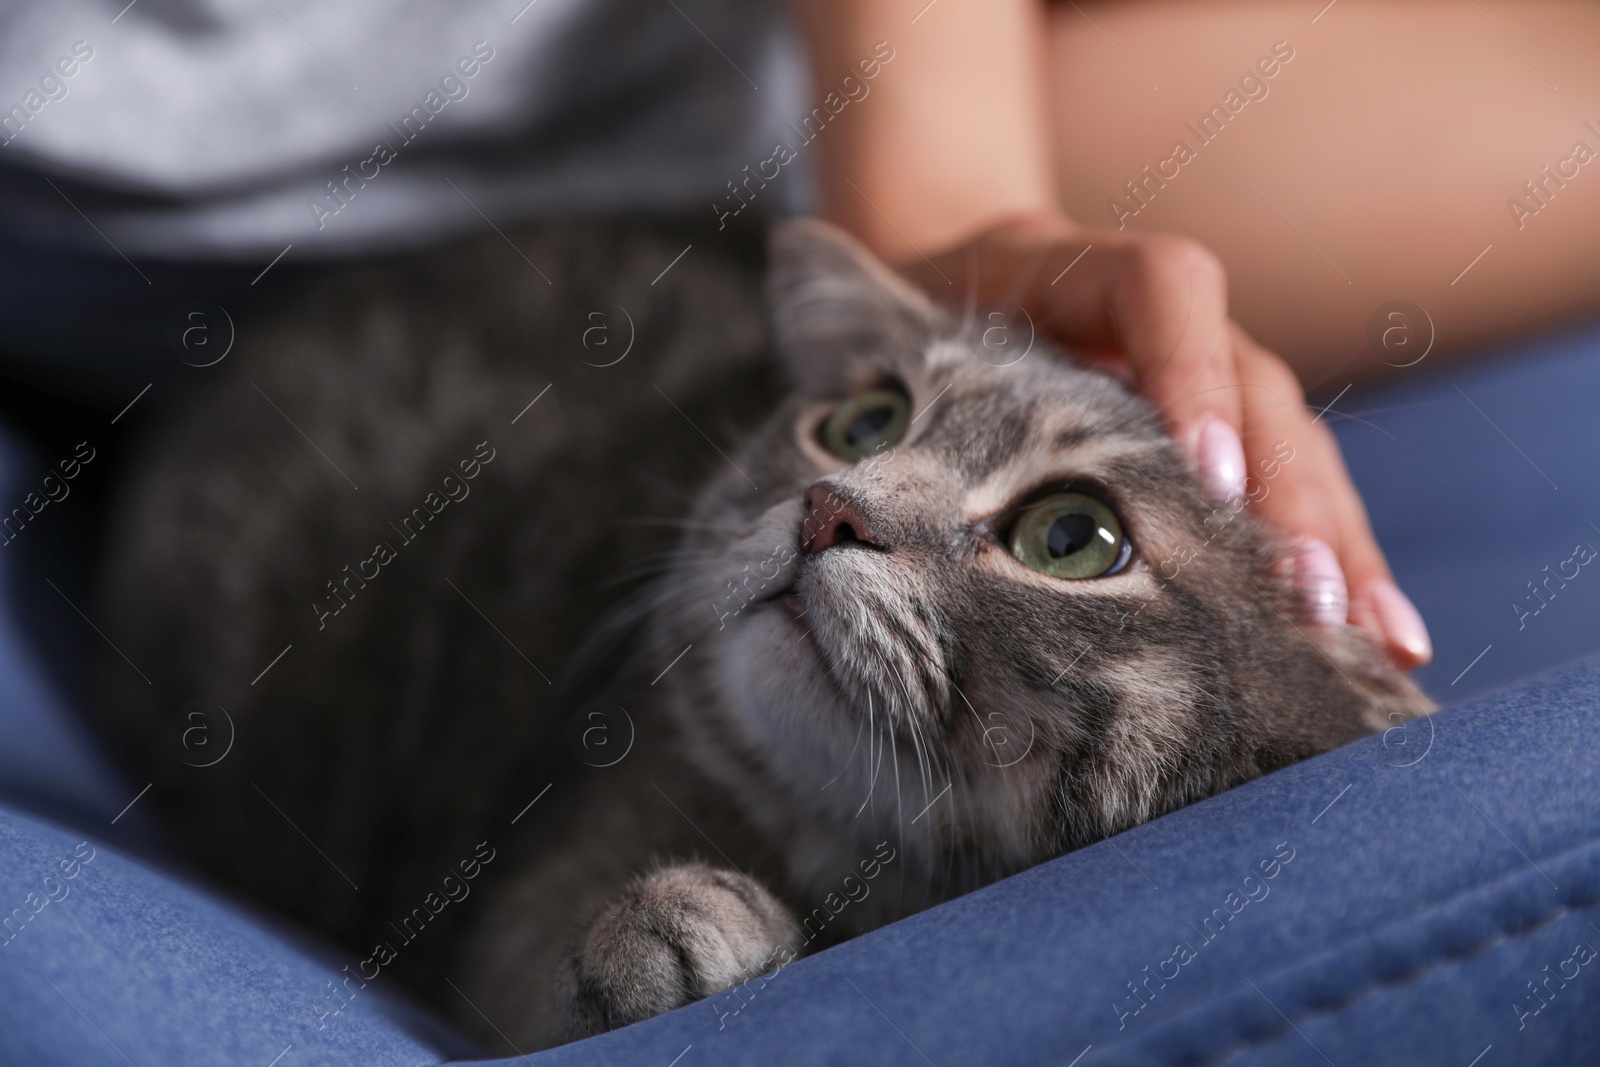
(952,136)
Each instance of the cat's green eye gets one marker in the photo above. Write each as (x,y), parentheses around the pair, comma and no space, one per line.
(866,423)
(1070,535)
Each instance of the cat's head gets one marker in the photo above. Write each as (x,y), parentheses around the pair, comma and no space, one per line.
(980,604)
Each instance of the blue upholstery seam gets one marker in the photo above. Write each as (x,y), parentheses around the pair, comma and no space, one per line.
(1507,933)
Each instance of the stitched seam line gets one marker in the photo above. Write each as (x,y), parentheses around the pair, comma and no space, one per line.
(1461,955)
(1450,959)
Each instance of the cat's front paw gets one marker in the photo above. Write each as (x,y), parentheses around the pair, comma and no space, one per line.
(679,934)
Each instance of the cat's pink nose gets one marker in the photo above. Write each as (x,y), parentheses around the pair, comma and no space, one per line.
(832,521)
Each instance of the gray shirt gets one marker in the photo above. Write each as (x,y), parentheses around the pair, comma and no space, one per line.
(232,129)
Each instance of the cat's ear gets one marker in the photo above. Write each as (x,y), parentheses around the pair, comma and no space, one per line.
(839,312)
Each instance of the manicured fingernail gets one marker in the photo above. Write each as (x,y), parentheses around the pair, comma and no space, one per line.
(1400,623)
(1320,582)
(1220,456)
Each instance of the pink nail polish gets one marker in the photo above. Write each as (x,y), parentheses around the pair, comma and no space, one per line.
(1220,456)
(1320,582)
(1400,623)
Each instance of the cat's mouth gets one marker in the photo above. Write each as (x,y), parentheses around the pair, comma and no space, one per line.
(789,600)
(786,598)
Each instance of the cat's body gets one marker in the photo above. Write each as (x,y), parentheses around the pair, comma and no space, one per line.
(843,682)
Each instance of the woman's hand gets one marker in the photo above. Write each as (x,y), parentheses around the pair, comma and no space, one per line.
(1155,308)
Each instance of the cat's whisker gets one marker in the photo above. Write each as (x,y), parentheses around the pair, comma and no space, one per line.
(916,740)
(925,765)
(872,784)
(899,808)
(969,841)
(681,524)
(643,568)
(952,840)
(859,728)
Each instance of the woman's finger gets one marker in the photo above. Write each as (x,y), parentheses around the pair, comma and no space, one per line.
(1339,567)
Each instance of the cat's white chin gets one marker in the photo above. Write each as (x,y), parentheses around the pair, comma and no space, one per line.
(822,755)
(871,618)
(808,678)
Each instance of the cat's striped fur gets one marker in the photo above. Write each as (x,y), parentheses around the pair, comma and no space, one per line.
(925,695)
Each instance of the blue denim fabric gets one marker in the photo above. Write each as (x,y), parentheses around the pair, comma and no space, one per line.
(48,761)
(1443,877)
(117,963)
(1386,903)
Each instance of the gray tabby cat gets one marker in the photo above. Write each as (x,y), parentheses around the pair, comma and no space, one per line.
(932,621)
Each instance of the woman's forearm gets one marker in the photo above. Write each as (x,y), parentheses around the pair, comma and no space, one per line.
(953,133)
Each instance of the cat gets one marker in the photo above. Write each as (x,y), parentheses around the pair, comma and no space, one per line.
(874,616)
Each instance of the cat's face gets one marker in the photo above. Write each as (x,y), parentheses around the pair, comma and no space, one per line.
(979,604)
